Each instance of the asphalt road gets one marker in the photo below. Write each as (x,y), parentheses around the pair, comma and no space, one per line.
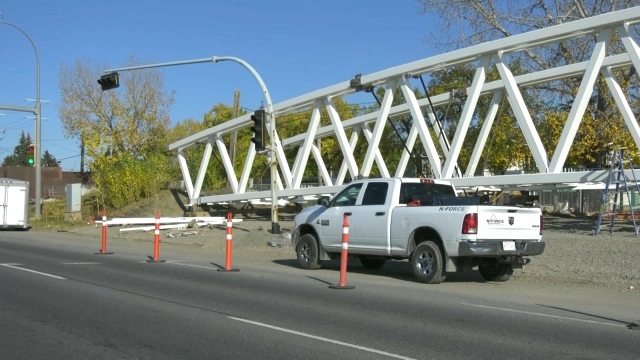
(58,300)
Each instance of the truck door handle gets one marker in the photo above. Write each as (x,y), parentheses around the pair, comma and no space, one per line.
(347,214)
(380,213)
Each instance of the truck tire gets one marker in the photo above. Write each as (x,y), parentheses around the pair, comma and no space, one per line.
(494,271)
(371,263)
(307,252)
(427,264)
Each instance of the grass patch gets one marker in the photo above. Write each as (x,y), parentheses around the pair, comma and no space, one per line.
(54,214)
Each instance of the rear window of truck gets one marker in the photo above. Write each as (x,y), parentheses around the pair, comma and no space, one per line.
(409,190)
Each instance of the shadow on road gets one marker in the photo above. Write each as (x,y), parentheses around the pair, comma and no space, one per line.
(629,325)
(399,270)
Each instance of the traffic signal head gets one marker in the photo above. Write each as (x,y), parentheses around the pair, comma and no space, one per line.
(258,129)
(109,81)
(31,154)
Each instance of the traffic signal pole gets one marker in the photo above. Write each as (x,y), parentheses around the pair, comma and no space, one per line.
(37,111)
(273,160)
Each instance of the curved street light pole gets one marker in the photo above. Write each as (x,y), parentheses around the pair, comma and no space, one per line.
(275,226)
(37,113)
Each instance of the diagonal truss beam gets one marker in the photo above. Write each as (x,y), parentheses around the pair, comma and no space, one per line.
(580,102)
(372,124)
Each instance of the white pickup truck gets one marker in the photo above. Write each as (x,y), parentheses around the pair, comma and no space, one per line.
(421,220)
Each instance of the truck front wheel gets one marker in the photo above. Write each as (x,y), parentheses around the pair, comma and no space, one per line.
(426,262)
(307,252)
(495,271)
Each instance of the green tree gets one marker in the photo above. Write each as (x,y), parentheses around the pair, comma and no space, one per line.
(48,159)
(19,156)
(124,130)
(216,176)
(464,23)
(295,123)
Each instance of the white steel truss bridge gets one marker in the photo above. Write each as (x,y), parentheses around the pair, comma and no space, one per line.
(614,26)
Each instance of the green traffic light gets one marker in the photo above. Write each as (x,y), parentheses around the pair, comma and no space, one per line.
(30,161)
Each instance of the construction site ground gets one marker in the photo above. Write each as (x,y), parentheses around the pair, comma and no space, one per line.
(574,258)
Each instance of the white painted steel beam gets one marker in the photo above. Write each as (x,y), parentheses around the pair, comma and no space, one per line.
(381,121)
(522,114)
(419,128)
(186,176)
(484,133)
(531,39)
(347,131)
(580,103)
(326,177)
(465,119)
(623,105)
(226,162)
(531,79)
(347,149)
(382,166)
(303,153)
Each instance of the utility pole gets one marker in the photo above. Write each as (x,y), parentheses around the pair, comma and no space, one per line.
(82,156)
(234,135)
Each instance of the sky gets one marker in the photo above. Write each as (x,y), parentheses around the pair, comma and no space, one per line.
(296,46)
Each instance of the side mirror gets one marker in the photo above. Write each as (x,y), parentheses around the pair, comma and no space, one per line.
(324,201)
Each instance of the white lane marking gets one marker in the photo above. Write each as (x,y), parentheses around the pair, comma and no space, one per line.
(363,348)
(81,263)
(546,315)
(35,272)
(195,266)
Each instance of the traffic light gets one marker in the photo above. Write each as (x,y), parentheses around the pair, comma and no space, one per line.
(31,154)
(109,81)
(258,129)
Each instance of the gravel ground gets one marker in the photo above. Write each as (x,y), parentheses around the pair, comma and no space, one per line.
(573,258)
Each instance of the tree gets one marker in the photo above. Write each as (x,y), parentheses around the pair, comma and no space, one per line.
(216,176)
(124,130)
(295,123)
(465,23)
(48,159)
(19,156)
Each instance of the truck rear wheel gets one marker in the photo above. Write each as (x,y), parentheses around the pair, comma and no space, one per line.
(307,252)
(494,271)
(427,264)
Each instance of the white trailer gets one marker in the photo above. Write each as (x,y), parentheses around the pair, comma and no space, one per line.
(14,203)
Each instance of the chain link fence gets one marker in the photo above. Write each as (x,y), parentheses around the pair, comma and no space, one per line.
(587,202)
(60,192)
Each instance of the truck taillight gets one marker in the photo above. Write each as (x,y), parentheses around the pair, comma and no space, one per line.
(541,224)
(470,224)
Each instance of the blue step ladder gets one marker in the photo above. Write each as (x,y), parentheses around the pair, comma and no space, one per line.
(618,176)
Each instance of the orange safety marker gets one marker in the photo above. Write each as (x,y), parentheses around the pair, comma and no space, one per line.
(344,258)
(156,241)
(103,250)
(229,244)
